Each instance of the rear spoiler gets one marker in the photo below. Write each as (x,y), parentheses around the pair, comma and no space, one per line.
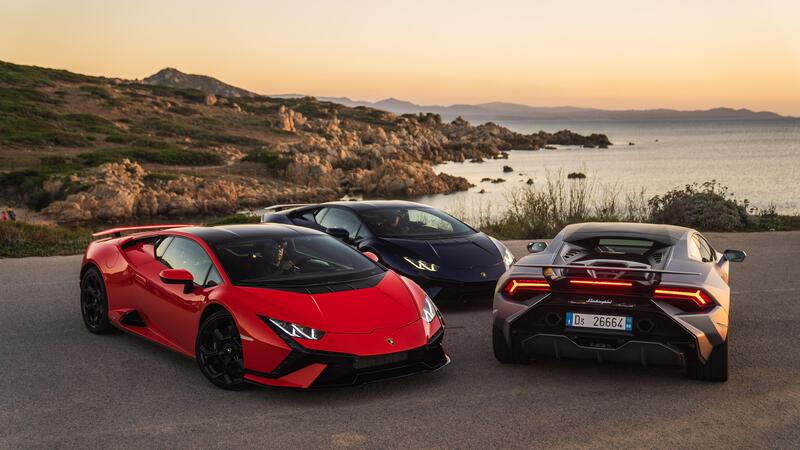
(117,232)
(603,268)
(263,212)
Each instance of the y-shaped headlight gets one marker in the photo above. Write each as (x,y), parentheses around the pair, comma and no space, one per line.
(421,265)
(508,257)
(298,331)
(428,310)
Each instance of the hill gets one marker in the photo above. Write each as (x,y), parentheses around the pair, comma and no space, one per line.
(176,79)
(499,111)
(81,148)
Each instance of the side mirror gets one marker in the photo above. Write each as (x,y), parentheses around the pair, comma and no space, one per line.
(371,256)
(338,233)
(178,276)
(735,255)
(537,246)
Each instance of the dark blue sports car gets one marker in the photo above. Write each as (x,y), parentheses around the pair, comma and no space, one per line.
(446,257)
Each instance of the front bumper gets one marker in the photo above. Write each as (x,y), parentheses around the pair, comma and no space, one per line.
(304,368)
(452,291)
(661,335)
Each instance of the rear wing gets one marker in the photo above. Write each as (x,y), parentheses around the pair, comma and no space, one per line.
(604,268)
(277,208)
(117,232)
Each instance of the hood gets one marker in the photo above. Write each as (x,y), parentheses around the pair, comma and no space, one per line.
(464,252)
(389,304)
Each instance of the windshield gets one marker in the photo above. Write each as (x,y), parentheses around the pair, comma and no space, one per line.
(410,222)
(299,260)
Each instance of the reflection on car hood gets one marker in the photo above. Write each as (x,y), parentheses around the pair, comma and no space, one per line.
(474,250)
(389,304)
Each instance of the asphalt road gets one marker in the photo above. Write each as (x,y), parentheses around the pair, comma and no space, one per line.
(63,387)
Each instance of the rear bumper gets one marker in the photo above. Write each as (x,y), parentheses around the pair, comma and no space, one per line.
(642,352)
(304,368)
(661,335)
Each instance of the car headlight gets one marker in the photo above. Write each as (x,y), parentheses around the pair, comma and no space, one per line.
(298,331)
(428,310)
(422,265)
(508,257)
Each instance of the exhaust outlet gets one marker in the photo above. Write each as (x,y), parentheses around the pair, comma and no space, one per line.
(645,325)
(552,319)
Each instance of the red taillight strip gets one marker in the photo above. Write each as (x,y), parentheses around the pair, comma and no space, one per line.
(695,295)
(533,285)
(602,283)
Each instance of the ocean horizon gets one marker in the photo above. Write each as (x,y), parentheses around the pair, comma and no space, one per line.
(758,160)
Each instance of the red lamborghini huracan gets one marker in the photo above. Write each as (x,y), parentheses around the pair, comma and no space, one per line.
(275,305)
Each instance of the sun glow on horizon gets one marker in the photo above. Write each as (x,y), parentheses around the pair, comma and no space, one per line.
(614,55)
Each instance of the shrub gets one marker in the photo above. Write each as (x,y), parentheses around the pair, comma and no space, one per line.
(271,159)
(19,239)
(706,206)
(234,219)
(169,156)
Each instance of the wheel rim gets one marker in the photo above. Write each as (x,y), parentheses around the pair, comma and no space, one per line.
(92,301)
(220,351)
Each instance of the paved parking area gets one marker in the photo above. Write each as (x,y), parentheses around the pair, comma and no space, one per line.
(63,387)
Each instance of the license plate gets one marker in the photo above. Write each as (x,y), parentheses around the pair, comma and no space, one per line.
(581,320)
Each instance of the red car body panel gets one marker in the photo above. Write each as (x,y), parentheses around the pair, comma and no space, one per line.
(378,320)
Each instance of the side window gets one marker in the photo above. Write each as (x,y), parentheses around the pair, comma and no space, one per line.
(213,278)
(340,218)
(694,248)
(186,254)
(706,252)
(320,214)
(162,246)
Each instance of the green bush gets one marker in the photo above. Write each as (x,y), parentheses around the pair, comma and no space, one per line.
(706,206)
(19,239)
(169,156)
(234,219)
(271,159)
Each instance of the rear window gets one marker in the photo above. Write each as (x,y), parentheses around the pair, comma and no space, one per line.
(292,261)
(624,246)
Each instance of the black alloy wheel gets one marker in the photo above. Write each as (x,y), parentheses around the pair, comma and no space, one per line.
(94,303)
(219,351)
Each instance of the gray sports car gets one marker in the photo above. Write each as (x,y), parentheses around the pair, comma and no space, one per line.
(618,292)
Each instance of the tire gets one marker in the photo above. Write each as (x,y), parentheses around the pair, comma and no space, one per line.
(218,351)
(503,351)
(94,303)
(714,369)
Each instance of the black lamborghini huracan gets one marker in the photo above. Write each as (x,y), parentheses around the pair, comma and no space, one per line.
(449,259)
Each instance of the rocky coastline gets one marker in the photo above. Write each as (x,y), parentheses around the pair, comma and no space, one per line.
(121,150)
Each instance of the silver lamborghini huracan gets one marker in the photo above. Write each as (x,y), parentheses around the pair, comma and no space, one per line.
(618,292)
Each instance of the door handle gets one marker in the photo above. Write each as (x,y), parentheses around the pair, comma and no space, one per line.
(139,279)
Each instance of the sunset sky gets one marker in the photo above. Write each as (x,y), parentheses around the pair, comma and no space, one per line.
(607,54)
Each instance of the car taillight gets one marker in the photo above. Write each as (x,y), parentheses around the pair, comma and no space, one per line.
(519,288)
(690,299)
(601,283)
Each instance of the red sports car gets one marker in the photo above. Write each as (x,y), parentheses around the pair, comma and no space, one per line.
(275,305)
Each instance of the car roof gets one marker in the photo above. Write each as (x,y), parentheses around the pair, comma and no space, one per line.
(225,233)
(364,205)
(665,234)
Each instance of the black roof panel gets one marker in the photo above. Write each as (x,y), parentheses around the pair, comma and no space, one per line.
(224,233)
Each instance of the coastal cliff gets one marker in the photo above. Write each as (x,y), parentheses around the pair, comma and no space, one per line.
(83,148)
